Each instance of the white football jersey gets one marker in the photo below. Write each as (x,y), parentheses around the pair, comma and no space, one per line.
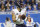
(16,12)
(31,20)
(23,11)
(8,24)
(29,23)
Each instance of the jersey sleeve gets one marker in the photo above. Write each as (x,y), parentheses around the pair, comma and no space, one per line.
(31,20)
(23,11)
(26,19)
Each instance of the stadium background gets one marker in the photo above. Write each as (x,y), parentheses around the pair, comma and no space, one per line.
(36,17)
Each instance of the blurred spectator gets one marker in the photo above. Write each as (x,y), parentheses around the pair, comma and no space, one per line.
(17,3)
(8,9)
(33,2)
(8,4)
(34,7)
(7,19)
(21,3)
(2,7)
(29,21)
(6,1)
(28,2)
(2,2)
(8,22)
(25,5)
(13,0)
(29,8)
(13,3)
(39,6)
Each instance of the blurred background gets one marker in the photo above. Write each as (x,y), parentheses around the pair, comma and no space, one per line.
(29,5)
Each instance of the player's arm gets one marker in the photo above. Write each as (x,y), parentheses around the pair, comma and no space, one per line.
(13,17)
(26,19)
(25,12)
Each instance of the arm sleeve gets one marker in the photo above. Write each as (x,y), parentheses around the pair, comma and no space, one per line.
(26,19)
(31,20)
